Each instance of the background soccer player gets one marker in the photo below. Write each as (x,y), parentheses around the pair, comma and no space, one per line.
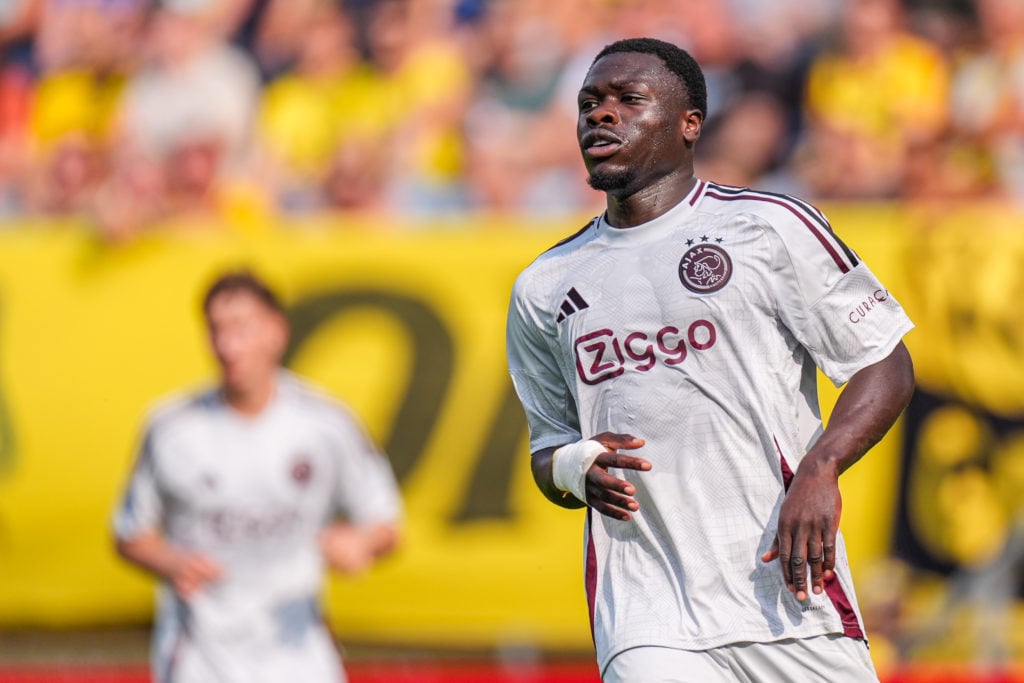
(685,326)
(239,495)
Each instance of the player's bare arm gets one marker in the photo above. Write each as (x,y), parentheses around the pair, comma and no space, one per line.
(809,518)
(186,572)
(605,492)
(353,548)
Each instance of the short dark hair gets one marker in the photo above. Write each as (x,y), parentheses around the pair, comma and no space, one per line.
(242,281)
(677,60)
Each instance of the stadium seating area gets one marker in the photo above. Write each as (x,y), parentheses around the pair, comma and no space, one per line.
(230,112)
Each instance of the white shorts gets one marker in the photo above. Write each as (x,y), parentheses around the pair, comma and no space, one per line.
(822,659)
(316,661)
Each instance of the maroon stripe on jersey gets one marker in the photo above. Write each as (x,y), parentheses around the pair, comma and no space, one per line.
(787,474)
(696,193)
(590,574)
(795,211)
(570,238)
(833,589)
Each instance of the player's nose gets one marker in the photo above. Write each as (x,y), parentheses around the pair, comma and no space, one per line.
(604,112)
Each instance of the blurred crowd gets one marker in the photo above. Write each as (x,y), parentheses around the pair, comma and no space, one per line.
(132,113)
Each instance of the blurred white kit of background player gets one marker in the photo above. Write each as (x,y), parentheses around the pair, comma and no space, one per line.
(240,495)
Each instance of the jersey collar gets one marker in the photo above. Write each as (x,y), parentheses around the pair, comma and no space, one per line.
(666,221)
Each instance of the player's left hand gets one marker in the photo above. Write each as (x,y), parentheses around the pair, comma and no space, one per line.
(607,493)
(808,525)
(346,548)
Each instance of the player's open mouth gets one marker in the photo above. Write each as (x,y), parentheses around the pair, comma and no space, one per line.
(603,148)
(599,144)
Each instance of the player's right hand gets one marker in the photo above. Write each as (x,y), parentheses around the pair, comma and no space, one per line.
(606,493)
(190,572)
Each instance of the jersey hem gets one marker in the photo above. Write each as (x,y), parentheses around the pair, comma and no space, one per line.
(604,660)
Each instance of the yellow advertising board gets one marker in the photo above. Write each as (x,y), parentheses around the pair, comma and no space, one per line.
(408,328)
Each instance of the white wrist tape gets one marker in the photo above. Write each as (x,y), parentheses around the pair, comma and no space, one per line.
(569,465)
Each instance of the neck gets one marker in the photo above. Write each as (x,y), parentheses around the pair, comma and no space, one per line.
(249,401)
(649,202)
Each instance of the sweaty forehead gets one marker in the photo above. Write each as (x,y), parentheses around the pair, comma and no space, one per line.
(629,68)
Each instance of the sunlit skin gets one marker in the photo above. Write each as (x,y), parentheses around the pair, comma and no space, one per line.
(637,132)
(248,339)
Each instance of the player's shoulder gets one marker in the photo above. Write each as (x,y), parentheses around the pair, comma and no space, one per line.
(798,226)
(311,400)
(571,242)
(552,259)
(777,211)
(176,410)
(325,414)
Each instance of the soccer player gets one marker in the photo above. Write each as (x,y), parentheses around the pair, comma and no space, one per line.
(666,357)
(240,495)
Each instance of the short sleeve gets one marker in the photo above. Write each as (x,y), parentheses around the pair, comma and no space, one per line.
(366,491)
(141,508)
(834,305)
(547,400)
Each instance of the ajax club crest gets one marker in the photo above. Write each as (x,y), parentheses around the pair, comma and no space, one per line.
(705,268)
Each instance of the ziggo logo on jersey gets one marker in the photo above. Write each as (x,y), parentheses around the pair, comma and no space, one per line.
(601,355)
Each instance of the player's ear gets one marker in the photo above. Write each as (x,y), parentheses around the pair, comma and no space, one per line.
(692,123)
(281,334)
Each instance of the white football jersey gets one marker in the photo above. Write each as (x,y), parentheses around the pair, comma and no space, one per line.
(698,332)
(253,494)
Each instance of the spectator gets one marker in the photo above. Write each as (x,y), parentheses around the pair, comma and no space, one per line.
(880,92)
(987,101)
(426,86)
(15,95)
(746,144)
(83,51)
(138,112)
(187,113)
(516,126)
(322,113)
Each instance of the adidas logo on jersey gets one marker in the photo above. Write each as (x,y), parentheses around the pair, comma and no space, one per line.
(572,303)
